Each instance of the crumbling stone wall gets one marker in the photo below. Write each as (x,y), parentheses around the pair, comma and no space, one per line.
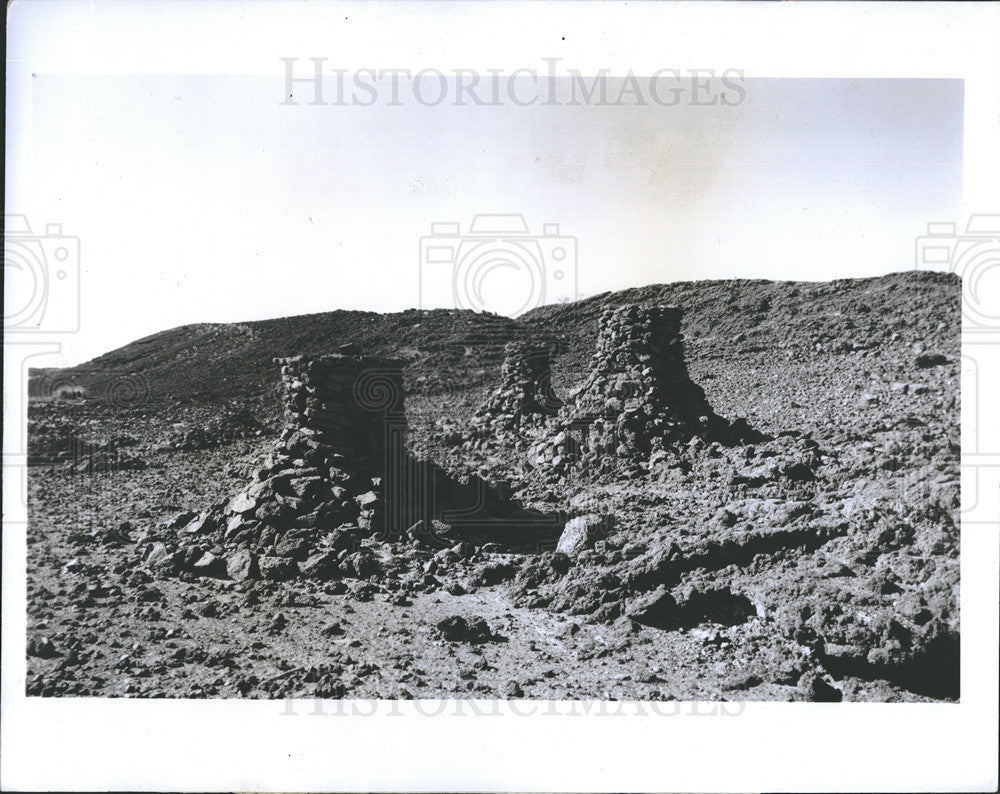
(637,400)
(344,432)
(524,399)
(339,409)
(339,479)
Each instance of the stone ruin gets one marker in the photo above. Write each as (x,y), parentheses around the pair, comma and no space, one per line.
(637,401)
(639,398)
(340,476)
(523,401)
(324,485)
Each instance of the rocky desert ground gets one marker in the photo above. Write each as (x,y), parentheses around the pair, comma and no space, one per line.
(760,503)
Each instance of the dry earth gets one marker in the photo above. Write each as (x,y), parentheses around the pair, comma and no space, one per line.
(820,565)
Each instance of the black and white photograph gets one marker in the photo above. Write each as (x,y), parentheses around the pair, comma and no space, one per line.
(356,356)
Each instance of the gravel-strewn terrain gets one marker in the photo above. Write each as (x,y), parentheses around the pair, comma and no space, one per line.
(818,561)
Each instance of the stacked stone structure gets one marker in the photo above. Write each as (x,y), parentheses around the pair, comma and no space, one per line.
(638,398)
(340,473)
(523,401)
(329,482)
(339,478)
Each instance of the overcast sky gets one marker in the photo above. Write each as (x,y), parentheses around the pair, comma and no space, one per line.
(201,198)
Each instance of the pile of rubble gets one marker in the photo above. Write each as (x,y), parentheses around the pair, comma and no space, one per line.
(56,441)
(233,424)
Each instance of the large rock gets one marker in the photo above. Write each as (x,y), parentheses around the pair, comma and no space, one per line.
(180,519)
(242,503)
(343,538)
(209,564)
(234,525)
(275,515)
(157,555)
(204,523)
(242,565)
(581,533)
(458,629)
(493,572)
(322,565)
(43,648)
(161,561)
(361,564)
(814,689)
(278,569)
(291,546)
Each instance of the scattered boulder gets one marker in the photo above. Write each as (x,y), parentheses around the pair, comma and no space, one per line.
(181,519)
(928,360)
(242,503)
(513,690)
(42,647)
(242,565)
(203,523)
(292,546)
(322,565)
(541,569)
(458,629)
(277,569)
(278,624)
(209,564)
(161,561)
(581,533)
(361,564)
(657,609)
(493,572)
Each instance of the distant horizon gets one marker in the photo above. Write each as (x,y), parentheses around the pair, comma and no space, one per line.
(921,272)
(202,195)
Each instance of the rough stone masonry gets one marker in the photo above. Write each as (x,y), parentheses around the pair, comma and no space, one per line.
(328,482)
(339,476)
(638,398)
(340,472)
(524,400)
